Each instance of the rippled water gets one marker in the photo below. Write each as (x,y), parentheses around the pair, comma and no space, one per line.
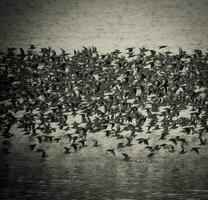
(105,24)
(91,177)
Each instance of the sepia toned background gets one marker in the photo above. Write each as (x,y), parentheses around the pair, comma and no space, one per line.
(107,24)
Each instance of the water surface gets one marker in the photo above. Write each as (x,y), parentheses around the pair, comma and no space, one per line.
(93,177)
(105,24)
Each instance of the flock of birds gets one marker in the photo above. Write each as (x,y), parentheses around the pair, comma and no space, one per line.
(84,99)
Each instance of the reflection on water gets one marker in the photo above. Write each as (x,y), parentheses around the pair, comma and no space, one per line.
(95,178)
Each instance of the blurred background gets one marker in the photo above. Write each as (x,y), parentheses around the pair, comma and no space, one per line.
(111,24)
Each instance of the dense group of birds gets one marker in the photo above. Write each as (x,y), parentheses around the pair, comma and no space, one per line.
(83,99)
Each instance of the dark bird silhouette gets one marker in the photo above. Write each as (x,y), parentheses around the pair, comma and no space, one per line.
(143,140)
(120,145)
(153,52)
(6,142)
(74,147)
(173,140)
(82,143)
(157,127)
(39,150)
(130,49)
(151,155)
(27,133)
(171,148)
(112,151)
(32,47)
(162,46)
(182,140)
(183,151)
(126,157)
(67,150)
(129,142)
(150,148)
(40,139)
(202,141)
(32,146)
(74,139)
(48,138)
(57,139)
(22,52)
(163,135)
(44,154)
(95,143)
(195,149)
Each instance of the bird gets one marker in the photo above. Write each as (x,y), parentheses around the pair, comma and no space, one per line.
(6,142)
(44,154)
(120,145)
(163,135)
(143,140)
(27,133)
(173,140)
(126,157)
(32,47)
(95,143)
(150,148)
(157,127)
(74,139)
(151,155)
(39,150)
(112,151)
(171,148)
(203,141)
(130,49)
(168,53)
(129,142)
(162,46)
(22,52)
(83,143)
(48,138)
(67,150)
(57,139)
(153,52)
(195,149)
(40,139)
(182,140)
(183,151)
(74,147)
(32,146)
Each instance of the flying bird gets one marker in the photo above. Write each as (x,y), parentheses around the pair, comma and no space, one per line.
(162,46)
(126,157)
